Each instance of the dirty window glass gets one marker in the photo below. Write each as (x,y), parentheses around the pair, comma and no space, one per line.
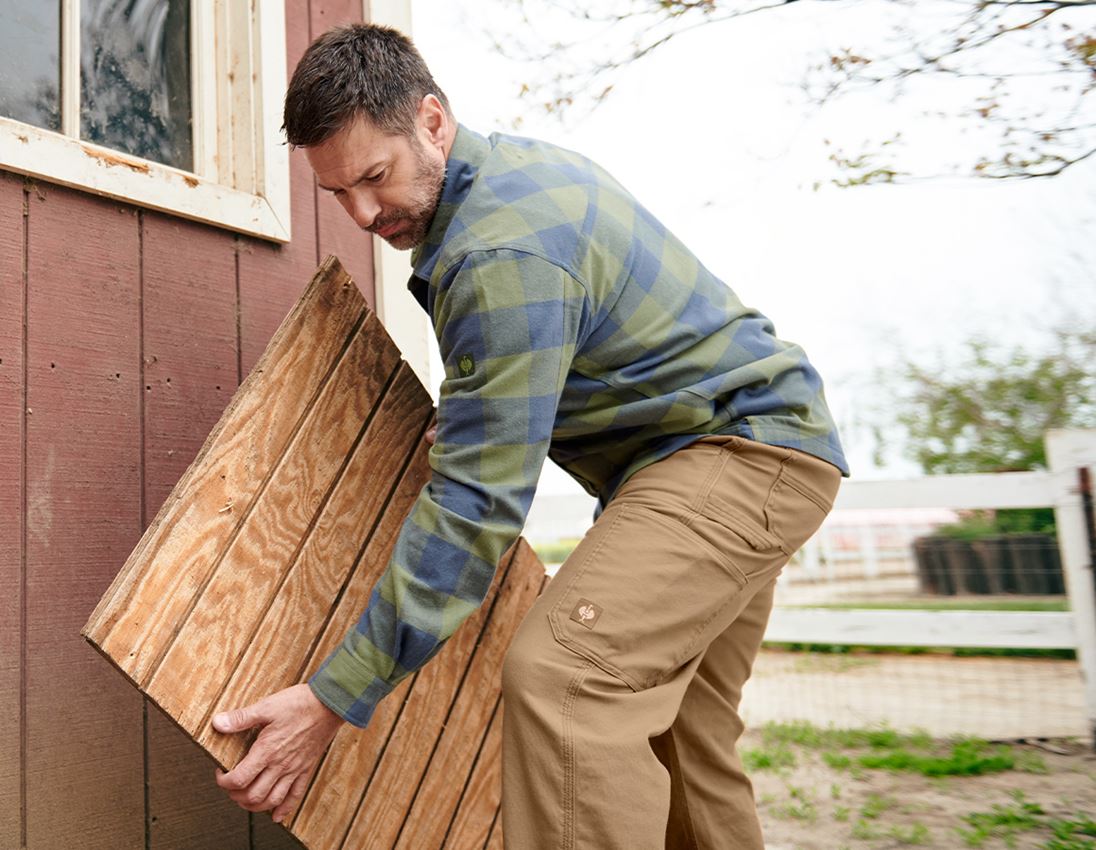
(30,69)
(135,78)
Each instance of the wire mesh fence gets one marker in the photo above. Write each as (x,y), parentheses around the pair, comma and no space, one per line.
(925,632)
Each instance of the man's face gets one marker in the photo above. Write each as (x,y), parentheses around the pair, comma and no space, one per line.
(389,185)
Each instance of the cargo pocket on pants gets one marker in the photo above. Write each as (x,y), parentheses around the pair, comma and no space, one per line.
(645,592)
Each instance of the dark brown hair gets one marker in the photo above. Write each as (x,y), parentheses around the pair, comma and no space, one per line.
(354,70)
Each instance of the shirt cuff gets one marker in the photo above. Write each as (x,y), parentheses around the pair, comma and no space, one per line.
(354,704)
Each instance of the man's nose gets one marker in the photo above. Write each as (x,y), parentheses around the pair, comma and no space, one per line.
(364,208)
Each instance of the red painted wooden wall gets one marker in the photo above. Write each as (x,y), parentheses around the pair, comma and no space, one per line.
(123,334)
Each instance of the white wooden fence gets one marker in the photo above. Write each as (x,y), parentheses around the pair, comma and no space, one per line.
(1068,451)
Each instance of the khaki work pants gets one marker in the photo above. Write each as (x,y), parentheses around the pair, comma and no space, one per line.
(622,684)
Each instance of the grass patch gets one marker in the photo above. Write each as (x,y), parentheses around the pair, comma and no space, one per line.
(775,757)
(1078,834)
(813,737)
(916,833)
(969,757)
(952,651)
(1002,822)
(888,749)
(799,807)
(875,805)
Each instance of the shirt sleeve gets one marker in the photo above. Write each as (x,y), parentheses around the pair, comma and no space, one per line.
(507,324)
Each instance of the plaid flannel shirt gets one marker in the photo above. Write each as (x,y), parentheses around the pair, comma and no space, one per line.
(572,325)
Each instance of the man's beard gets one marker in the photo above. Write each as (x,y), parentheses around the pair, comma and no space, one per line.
(428,183)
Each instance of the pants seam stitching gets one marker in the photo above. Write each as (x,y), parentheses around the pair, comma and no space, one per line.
(568,833)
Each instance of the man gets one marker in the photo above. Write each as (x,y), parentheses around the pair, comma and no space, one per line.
(571,325)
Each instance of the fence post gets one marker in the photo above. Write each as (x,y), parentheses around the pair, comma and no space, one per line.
(1067,451)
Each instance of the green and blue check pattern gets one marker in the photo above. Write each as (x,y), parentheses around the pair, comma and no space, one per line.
(573,326)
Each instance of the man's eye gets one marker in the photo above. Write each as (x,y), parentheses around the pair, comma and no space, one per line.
(375,178)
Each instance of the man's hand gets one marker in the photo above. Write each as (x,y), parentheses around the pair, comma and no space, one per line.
(432,434)
(297,728)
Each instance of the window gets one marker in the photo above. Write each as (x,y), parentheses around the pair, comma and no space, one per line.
(171,104)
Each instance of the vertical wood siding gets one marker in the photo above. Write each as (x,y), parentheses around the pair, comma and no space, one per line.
(123,334)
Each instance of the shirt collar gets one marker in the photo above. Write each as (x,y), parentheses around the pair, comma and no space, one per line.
(465,158)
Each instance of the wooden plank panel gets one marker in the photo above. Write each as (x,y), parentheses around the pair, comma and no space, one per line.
(495,841)
(84,760)
(11,499)
(343,458)
(438,795)
(354,752)
(404,760)
(228,471)
(270,663)
(480,800)
(253,567)
(189,356)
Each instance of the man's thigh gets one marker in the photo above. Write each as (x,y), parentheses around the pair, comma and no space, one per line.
(680,551)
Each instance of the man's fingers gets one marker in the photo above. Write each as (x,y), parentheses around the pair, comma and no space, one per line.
(243,774)
(255,795)
(432,434)
(279,792)
(239,719)
(295,795)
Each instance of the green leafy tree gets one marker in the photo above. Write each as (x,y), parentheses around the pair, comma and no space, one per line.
(988,411)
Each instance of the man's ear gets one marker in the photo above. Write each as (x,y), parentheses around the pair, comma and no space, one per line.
(434,120)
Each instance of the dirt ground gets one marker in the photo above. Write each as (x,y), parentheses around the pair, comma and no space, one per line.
(812,806)
(992,697)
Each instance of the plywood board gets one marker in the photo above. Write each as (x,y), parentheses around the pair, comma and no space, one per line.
(265,554)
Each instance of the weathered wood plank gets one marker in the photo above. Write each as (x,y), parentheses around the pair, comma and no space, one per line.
(354,752)
(405,758)
(439,793)
(293,576)
(495,841)
(84,734)
(252,568)
(273,660)
(229,470)
(189,357)
(11,500)
(480,800)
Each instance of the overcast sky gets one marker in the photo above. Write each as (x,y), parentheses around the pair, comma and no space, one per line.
(710,133)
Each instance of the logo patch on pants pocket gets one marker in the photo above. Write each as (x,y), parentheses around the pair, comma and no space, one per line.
(586,612)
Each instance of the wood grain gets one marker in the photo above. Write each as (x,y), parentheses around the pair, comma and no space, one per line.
(324,564)
(355,752)
(495,841)
(264,556)
(405,758)
(11,501)
(480,800)
(84,724)
(451,762)
(228,471)
(253,566)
